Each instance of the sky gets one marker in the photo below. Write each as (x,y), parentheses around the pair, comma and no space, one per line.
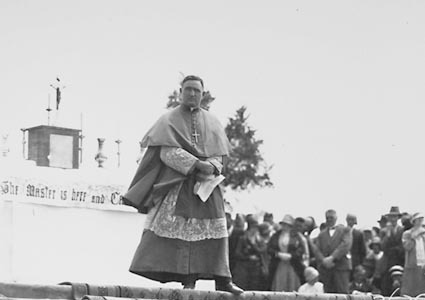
(334,88)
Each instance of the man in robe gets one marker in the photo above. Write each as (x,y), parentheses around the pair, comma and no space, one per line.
(184,238)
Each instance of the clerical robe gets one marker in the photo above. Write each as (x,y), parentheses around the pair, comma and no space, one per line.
(182,235)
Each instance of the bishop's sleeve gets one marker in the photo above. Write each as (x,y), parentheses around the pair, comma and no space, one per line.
(178,159)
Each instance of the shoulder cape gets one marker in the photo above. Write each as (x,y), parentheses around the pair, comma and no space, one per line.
(153,179)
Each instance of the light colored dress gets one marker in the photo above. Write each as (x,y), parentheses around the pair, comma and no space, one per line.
(414,268)
(285,278)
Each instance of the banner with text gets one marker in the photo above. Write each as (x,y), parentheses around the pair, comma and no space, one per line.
(75,194)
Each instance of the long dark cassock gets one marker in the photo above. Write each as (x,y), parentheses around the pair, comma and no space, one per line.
(182,235)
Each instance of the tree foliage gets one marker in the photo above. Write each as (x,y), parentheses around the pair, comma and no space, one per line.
(245,166)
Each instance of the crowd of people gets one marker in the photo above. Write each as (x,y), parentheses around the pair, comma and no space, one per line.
(297,255)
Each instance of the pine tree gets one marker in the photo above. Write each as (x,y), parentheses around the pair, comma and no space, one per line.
(245,166)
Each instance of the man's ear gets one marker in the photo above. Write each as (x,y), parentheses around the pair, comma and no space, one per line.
(203,93)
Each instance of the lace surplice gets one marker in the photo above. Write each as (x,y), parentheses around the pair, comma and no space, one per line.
(161,218)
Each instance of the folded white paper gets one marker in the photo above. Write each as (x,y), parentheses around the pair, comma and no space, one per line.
(204,188)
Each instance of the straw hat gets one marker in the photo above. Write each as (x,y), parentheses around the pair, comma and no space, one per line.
(417,216)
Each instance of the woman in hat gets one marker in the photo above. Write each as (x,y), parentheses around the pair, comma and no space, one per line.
(286,250)
(392,246)
(414,268)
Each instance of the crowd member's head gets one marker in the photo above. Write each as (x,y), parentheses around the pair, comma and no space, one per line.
(359,274)
(311,275)
(417,220)
(287,223)
(229,220)
(268,217)
(192,91)
(367,233)
(331,218)
(252,222)
(351,220)
(393,216)
(376,231)
(406,221)
(382,222)
(299,225)
(310,224)
(239,222)
(376,245)
(265,229)
(322,226)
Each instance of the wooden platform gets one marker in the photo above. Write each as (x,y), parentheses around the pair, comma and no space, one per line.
(83,291)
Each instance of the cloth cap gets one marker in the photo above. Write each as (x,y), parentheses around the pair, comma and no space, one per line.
(288,219)
(310,273)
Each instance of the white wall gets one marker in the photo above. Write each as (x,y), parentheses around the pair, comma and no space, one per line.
(48,244)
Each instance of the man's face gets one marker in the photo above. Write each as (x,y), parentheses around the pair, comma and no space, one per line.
(392,219)
(299,226)
(331,219)
(191,93)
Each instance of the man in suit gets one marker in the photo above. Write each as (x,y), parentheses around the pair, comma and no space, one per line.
(358,249)
(332,253)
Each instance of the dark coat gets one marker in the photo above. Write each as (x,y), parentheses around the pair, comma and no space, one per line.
(338,245)
(295,248)
(358,249)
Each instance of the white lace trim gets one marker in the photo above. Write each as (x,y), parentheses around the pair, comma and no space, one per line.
(162,221)
(178,159)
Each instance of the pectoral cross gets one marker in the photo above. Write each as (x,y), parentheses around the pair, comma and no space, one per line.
(195,135)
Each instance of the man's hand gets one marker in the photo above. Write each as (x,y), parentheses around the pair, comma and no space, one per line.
(204,167)
(328,262)
(202,177)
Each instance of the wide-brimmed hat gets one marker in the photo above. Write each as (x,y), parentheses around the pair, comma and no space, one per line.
(252,220)
(394,211)
(416,216)
(288,219)
(383,219)
(375,241)
(310,273)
